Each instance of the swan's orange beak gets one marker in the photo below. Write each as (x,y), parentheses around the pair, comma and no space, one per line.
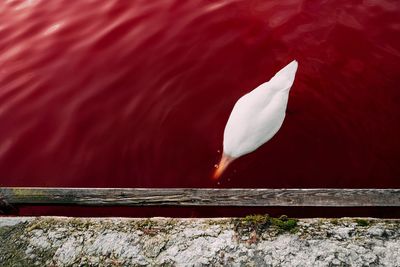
(223,164)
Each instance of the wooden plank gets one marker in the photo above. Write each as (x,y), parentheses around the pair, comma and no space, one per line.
(201,197)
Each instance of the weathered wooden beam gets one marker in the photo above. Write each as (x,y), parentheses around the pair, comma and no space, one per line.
(201,197)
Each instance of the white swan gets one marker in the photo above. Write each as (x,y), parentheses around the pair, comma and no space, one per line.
(256,117)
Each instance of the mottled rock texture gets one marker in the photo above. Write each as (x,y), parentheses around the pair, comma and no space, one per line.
(250,241)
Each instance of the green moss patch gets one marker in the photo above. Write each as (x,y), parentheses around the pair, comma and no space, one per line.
(362,222)
(255,225)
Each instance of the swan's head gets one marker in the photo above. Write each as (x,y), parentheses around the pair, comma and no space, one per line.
(223,164)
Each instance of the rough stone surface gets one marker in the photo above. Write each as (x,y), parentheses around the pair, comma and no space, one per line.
(57,241)
(10,221)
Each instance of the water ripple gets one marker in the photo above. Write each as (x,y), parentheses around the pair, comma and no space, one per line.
(136,93)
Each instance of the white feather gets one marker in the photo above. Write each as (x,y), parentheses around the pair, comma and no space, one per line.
(258,115)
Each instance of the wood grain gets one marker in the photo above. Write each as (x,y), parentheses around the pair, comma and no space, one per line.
(201,197)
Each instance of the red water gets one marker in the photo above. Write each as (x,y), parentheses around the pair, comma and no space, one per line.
(137,93)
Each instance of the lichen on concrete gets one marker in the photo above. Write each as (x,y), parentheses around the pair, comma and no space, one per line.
(251,241)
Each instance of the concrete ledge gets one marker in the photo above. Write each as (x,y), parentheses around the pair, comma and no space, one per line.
(250,241)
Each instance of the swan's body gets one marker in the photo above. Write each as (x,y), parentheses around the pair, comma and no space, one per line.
(257,117)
